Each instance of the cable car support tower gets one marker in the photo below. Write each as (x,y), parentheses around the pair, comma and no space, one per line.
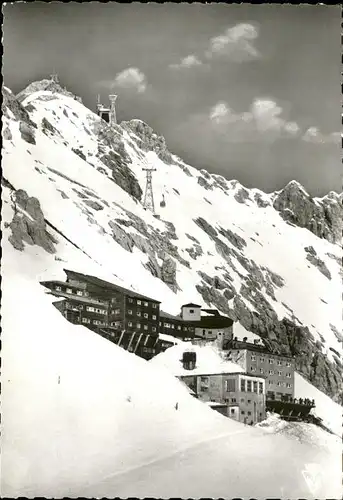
(148,203)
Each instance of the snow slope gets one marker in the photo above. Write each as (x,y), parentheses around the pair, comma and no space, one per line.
(329,411)
(74,405)
(82,417)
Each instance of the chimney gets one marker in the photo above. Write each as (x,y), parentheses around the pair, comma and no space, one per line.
(189,360)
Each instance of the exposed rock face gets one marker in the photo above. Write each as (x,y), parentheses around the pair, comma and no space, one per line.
(27,133)
(322,217)
(242,195)
(168,273)
(28,224)
(149,141)
(26,125)
(112,153)
(318,263)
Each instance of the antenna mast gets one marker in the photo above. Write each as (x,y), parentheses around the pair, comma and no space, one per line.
(148,202)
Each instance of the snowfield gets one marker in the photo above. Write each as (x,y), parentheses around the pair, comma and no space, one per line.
(82,417)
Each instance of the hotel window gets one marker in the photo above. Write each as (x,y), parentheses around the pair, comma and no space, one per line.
(116,311)
(89,308)
(154,306)
(139,313)
(249,401)
(204,379)
(288,385)
(253,357)
(86,294)
(69,290)
(243,412)
(260,384)
(279,362)
(288,375)
(86,320)
(261,370)
(153,328)
(153,316)
(178,327)
(160,323)
(242,385)
(248,385)
(139,302)
(79,292)
(233,400)
(230,385)
(129,323)
(129,311)
(130,300)
(271,361)
(253,369)
(232,411)
(242,400)
(280,374)
(249,412)
(191,311)
(255,386)
(146,304)
(271,372)
(58,288)
(138,325)
(146,315)
(270,382)
(145,327)
(262,360)
(173,326)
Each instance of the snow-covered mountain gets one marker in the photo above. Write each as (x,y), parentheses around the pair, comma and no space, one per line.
(271,261)
(72,191)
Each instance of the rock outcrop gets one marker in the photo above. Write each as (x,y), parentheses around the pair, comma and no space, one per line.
(148,140)
(323,216)
(28,224)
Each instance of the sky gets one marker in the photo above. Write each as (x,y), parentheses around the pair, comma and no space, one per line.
(249,92)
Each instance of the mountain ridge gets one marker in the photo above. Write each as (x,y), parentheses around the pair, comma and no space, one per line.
(195,250)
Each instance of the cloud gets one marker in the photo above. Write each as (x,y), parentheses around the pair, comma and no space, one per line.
(263,116)
(131,78)
(187,62)
(314,135)
(236,43)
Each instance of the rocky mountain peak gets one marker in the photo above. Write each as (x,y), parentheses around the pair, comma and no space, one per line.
(148,139)
(320,216)
(47,85)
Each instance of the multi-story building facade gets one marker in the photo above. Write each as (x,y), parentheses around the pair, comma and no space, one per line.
(123,316)
(176,326)
(277,368)
(243,394)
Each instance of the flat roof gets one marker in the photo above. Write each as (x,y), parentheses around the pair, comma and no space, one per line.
(220,373)
(256,348)
(109,286)
(213,322)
